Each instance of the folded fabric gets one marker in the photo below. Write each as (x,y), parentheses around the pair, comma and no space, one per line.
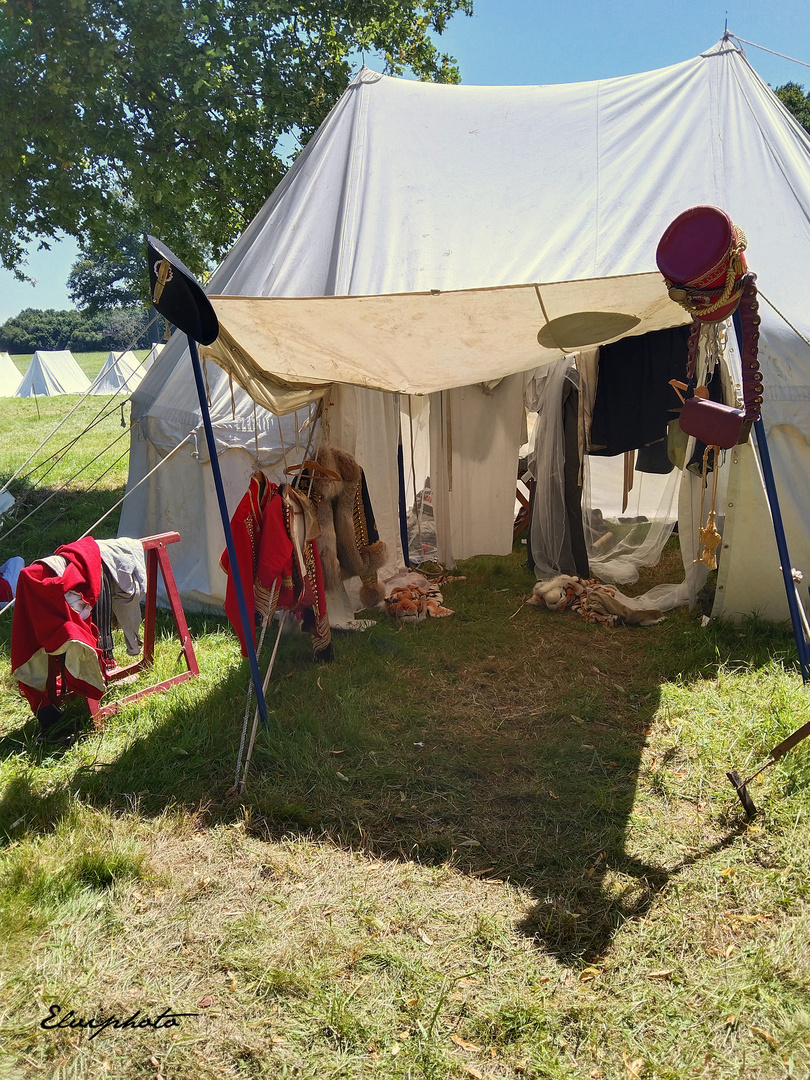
(594,601)
(125,560)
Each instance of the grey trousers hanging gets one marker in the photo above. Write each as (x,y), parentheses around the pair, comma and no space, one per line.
(574,555)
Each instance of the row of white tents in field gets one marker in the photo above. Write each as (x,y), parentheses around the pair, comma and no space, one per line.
(52,372)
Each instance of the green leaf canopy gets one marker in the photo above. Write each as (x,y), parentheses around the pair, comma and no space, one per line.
(178,114)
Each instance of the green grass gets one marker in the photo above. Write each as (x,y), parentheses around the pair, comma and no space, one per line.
(78,474)
(496,845)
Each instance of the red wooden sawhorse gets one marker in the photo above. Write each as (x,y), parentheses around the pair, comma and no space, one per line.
(157,557)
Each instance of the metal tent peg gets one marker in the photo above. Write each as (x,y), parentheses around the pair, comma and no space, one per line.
(741,786)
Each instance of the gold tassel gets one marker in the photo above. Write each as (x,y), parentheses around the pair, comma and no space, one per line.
(710,538)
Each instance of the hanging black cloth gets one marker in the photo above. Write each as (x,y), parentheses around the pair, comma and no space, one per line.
(634,401)
(654,458)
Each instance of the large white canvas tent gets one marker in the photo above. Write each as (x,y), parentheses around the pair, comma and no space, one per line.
(53,372)
(497,209)
(10,376)
(120,371)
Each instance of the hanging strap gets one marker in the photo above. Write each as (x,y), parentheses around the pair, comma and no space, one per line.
(102,617)
(313,468)
(710,538)
(629,465)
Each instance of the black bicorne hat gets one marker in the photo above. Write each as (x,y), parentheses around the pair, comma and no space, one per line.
(178,296)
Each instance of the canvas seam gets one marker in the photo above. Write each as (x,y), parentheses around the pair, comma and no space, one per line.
(597,229)
(346,252)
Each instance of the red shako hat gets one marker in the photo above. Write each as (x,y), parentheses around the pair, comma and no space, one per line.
(701,258)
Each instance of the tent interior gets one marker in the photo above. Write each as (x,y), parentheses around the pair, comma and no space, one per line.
(442,264)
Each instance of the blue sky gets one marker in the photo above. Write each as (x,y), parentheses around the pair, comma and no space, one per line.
(539,41)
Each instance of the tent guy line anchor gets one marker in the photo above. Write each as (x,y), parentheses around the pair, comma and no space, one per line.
(241,782)
(275,590)
(741,786)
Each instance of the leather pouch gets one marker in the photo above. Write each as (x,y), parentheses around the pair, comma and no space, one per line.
(712,422)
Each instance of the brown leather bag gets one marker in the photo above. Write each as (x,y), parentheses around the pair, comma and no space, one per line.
(712,422)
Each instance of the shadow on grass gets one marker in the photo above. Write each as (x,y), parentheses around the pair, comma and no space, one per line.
(506,741)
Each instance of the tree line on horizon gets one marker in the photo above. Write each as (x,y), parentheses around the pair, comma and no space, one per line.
(179,116)
(79,331)
(109,313)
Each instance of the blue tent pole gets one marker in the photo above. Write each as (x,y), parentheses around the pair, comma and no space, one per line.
(247,629)
(802,647)
(403,507)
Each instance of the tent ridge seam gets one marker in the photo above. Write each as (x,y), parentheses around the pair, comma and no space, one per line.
(347,231)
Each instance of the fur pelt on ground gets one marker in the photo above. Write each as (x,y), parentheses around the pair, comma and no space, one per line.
(555,592)
(342,554)
(596,602)
(412,603)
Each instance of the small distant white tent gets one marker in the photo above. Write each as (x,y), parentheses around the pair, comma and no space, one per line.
(53,372)
(10,376)
(121,371)
(153,355)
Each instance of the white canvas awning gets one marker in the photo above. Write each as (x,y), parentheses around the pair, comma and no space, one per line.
(285,351)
